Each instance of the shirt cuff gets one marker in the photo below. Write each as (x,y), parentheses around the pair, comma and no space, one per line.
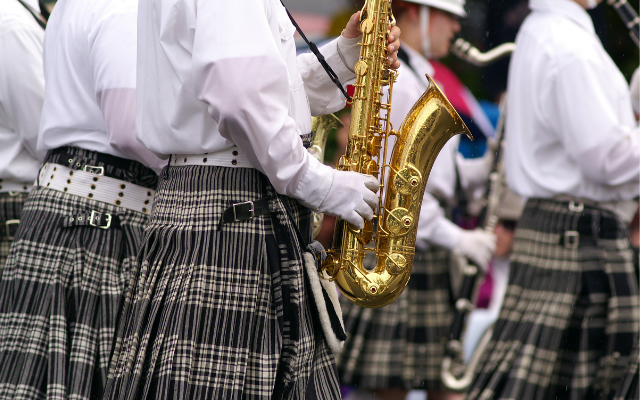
(315,184)
(446,234)
(342,54)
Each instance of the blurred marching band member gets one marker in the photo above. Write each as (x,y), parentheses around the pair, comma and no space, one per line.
(219,307)
(570,315)
(398,347)
(21,96)
(82,223)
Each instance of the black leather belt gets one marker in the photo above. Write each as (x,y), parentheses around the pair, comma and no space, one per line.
(103,164)
(244,211)
(593,223)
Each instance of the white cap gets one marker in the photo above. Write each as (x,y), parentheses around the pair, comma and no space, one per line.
(453,6)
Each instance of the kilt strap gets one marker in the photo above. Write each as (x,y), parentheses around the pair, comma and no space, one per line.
(95,219)
(78,159)
(244,211)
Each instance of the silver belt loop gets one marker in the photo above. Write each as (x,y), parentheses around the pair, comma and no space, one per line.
(8,225)
(95,216)
(93,169)
(571,239)
(579,207)
(251,210)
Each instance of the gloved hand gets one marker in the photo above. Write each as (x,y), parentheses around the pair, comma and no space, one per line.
(635,91)
(351,197)
(478,246)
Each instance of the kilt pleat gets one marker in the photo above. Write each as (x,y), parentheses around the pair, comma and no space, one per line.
(59,298)
(402,344)
(629,388)
(570,315)
(219,314)
(10,208)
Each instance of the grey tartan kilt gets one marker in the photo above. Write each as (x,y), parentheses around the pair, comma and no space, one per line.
(629,388)
(219,315)
(402,344)
(570,315)
(59,298)
(10,208)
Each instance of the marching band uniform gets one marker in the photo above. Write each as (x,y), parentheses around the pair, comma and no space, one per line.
(219,307)
(21,96)
(401,345)
(83,221)
(570,314)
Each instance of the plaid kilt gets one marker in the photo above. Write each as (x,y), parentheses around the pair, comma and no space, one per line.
(570,315)
(220,314)
(629,388)
(10,208)
(60,293)
(402,344)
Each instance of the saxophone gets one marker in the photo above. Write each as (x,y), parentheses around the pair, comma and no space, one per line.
(391,236)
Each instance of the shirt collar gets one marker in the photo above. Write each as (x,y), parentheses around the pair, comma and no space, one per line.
(566,8)
(417,60)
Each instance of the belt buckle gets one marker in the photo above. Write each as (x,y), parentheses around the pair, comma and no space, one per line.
(579,207)
(95,215)
(251,210)
(93,169)
(8,225)
(571,239)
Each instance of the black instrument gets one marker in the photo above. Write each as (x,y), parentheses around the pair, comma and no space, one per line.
(629,17)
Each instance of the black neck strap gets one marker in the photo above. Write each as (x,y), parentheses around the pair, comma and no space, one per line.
(43,10)
(40,22)
(319,56)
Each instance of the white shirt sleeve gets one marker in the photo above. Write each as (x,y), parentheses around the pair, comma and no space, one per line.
(607,150)
(324,95)
(253,113)
(434,227)
(21,64)
(113,66)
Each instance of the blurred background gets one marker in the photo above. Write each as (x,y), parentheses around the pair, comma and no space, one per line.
(490,23)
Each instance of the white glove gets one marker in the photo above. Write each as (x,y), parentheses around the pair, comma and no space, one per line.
(351,197)
(635,91)
(478,246)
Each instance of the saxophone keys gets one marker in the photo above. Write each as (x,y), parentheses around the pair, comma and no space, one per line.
(399,221)
(366,25)
(371,168)
(395,264)
(407,181)
(361,68)
(374,145)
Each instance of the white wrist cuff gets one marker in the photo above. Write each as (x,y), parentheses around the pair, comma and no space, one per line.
(315,184)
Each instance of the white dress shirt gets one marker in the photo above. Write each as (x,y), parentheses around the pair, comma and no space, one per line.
(90,70)
(433,225)
(570,125)
(217,74)
(21,94)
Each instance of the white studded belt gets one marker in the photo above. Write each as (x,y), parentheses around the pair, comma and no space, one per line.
(9,186)
(231,157)
(97,187)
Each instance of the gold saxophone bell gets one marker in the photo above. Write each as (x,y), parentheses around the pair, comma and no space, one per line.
(391,236)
